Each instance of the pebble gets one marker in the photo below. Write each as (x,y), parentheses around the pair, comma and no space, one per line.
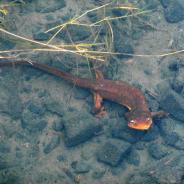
(134,158)
(157,151)
(79,127)
(171,139)
(167,126)
(80,167)
(58,125)
(10,102)
(4,148)
(177,82)
(151,134)
(173,11)
(54,142)
(122,43)
(32,122)
(98,173)
(113,152)
(55,107)
(173,103)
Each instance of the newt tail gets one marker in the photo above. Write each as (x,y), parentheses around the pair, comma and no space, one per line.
(84,83)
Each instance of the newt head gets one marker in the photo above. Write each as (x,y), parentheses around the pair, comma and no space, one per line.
(139,120)
(140,124)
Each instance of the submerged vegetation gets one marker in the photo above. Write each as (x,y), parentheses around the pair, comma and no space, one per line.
(99,42)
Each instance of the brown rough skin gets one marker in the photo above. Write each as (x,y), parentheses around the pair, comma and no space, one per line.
(139,116)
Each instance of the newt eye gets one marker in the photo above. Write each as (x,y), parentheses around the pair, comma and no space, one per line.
(133,122)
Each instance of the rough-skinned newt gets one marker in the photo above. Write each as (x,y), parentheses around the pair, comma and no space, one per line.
(139,116)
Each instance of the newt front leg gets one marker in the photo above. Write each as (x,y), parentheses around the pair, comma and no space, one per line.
(159,114)
(98,108)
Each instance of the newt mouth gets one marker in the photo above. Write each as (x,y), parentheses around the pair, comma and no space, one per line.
(141,125)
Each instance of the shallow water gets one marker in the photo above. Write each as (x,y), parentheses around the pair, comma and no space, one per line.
(48,133)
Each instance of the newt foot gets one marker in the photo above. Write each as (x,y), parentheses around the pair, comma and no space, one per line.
(99,113)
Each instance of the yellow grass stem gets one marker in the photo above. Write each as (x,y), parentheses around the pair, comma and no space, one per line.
(111,31)
(124,7)
(27,39)
(73,21)
(54,47)
(120,17)
(95,52)
(61,28)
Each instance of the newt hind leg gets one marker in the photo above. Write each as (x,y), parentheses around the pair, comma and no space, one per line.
(98,108)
